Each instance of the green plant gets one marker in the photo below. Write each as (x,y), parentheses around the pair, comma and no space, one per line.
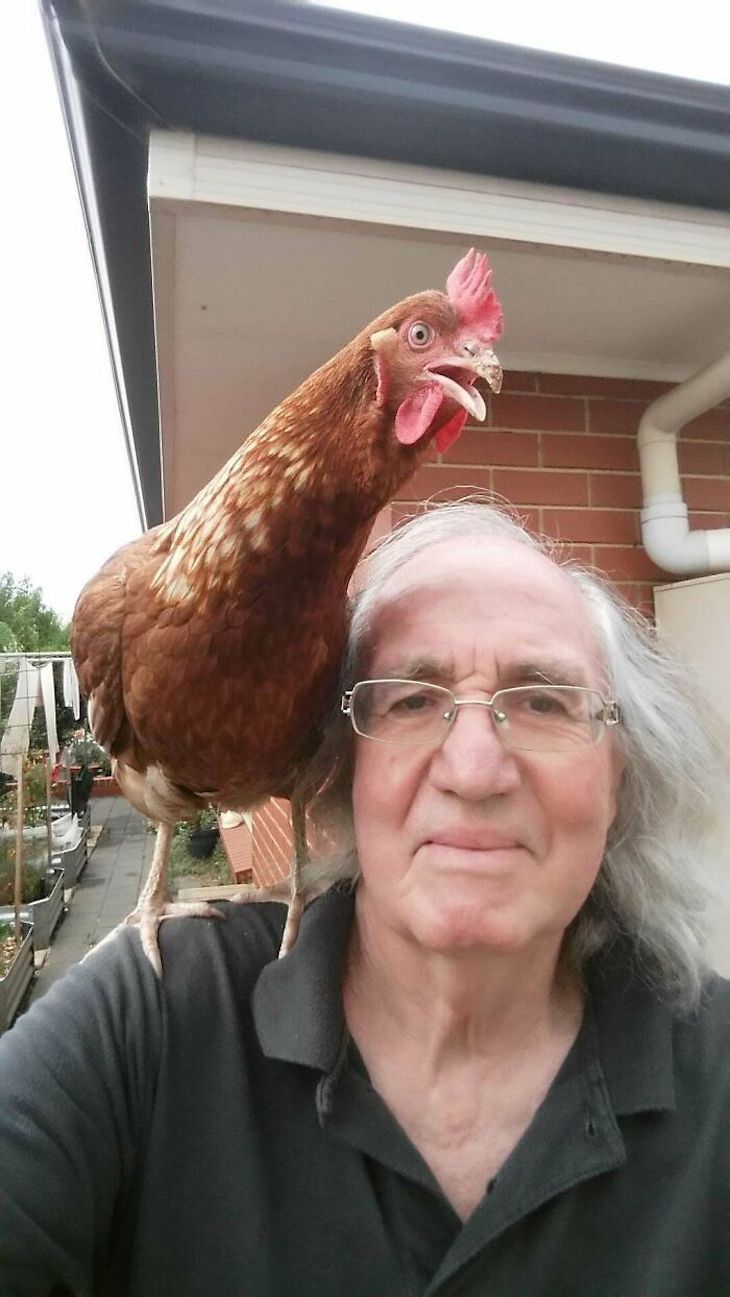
(34,791)
(8,947)
(85,751)
(187,872)
(27,624)
(34,882)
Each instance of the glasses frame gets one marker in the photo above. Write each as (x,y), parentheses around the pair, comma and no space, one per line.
(610,714)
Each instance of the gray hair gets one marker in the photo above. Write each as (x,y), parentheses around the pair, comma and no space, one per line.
(649,888)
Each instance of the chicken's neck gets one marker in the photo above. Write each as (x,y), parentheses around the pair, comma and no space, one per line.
(302,490)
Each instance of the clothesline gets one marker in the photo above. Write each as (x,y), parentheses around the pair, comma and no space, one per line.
(59,655)
(35,674)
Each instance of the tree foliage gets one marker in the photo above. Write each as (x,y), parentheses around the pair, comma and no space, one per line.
(27,624)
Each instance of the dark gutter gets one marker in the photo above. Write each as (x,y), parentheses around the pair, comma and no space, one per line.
(323,79)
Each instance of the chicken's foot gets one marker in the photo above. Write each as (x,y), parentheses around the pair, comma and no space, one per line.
(153,905)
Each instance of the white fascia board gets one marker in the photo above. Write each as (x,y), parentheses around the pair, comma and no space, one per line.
(84,177)
(188,168)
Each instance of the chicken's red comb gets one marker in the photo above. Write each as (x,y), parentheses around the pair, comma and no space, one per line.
(469,289)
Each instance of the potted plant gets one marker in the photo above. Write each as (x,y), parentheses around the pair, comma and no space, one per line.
(16,969)
(86,758)
(203,837)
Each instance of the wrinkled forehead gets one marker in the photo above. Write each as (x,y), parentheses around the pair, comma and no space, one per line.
(499,587)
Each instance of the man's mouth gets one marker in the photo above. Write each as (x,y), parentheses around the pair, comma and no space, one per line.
(468,840)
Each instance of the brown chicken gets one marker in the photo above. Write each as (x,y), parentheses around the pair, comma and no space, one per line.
(210,647)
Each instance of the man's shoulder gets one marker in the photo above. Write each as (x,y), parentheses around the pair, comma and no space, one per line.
(701,1044)
(236,946)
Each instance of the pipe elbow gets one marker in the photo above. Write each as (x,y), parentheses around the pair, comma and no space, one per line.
(667,538)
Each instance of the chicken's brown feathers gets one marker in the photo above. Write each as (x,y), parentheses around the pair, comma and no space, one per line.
(210,647)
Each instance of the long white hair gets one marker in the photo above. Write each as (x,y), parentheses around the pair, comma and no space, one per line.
(649,888)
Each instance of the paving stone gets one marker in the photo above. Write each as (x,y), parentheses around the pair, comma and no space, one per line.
(107,891)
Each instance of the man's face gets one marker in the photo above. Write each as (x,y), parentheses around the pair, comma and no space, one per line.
(468,844)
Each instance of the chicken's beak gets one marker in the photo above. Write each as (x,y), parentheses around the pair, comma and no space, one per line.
(478,360)
(485,363)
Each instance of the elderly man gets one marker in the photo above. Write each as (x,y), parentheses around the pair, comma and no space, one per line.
(495,1060)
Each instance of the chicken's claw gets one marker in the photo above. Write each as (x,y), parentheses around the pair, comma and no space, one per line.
(149,917)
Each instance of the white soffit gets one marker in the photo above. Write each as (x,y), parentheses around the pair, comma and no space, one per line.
(267,260)
(263,177)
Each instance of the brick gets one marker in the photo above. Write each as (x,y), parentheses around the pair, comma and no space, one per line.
(482,446)
(564,413)
(593,526)
(707,492)
(582,554)
(524,486)
(516,380)
(530,518)
(700,457)
(615,490)
(714,425)
(627,563)
(611,417)
(635,389)
(563,450)
(450,483)
(706,521)
(640,594)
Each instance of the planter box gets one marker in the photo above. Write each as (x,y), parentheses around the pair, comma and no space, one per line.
(62,808)
(44,915)
(16,981)
(73,862)
(105,786)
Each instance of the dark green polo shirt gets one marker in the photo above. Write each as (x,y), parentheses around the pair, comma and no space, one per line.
(213,1136)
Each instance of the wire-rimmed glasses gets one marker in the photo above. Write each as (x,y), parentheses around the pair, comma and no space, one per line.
(529,718)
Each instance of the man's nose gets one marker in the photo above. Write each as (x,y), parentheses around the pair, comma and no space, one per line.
(472,760)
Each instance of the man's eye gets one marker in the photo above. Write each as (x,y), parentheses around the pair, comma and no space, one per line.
(543,703)
(417,702)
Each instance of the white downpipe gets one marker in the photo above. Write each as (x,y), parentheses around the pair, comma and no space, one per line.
(665,527)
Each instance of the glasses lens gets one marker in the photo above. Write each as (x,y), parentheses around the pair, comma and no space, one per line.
(548,718)
(401,711)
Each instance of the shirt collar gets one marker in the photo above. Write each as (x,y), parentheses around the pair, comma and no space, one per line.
(297,1000)
(297,1006)
(634,1029)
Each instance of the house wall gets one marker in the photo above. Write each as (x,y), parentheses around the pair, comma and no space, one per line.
(562,449)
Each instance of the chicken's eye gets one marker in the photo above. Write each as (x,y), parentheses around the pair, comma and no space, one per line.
(420,334)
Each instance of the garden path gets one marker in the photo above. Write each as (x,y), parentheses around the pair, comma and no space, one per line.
(108,888)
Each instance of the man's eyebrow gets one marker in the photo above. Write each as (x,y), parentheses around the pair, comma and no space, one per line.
(417,668)
(551,670)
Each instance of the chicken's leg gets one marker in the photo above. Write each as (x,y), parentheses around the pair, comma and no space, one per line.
(295,907)
(153,905)
(292,891)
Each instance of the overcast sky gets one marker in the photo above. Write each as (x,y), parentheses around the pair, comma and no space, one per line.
(67,500)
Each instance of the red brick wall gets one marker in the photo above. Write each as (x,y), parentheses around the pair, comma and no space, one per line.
(272,847)
(562,449)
